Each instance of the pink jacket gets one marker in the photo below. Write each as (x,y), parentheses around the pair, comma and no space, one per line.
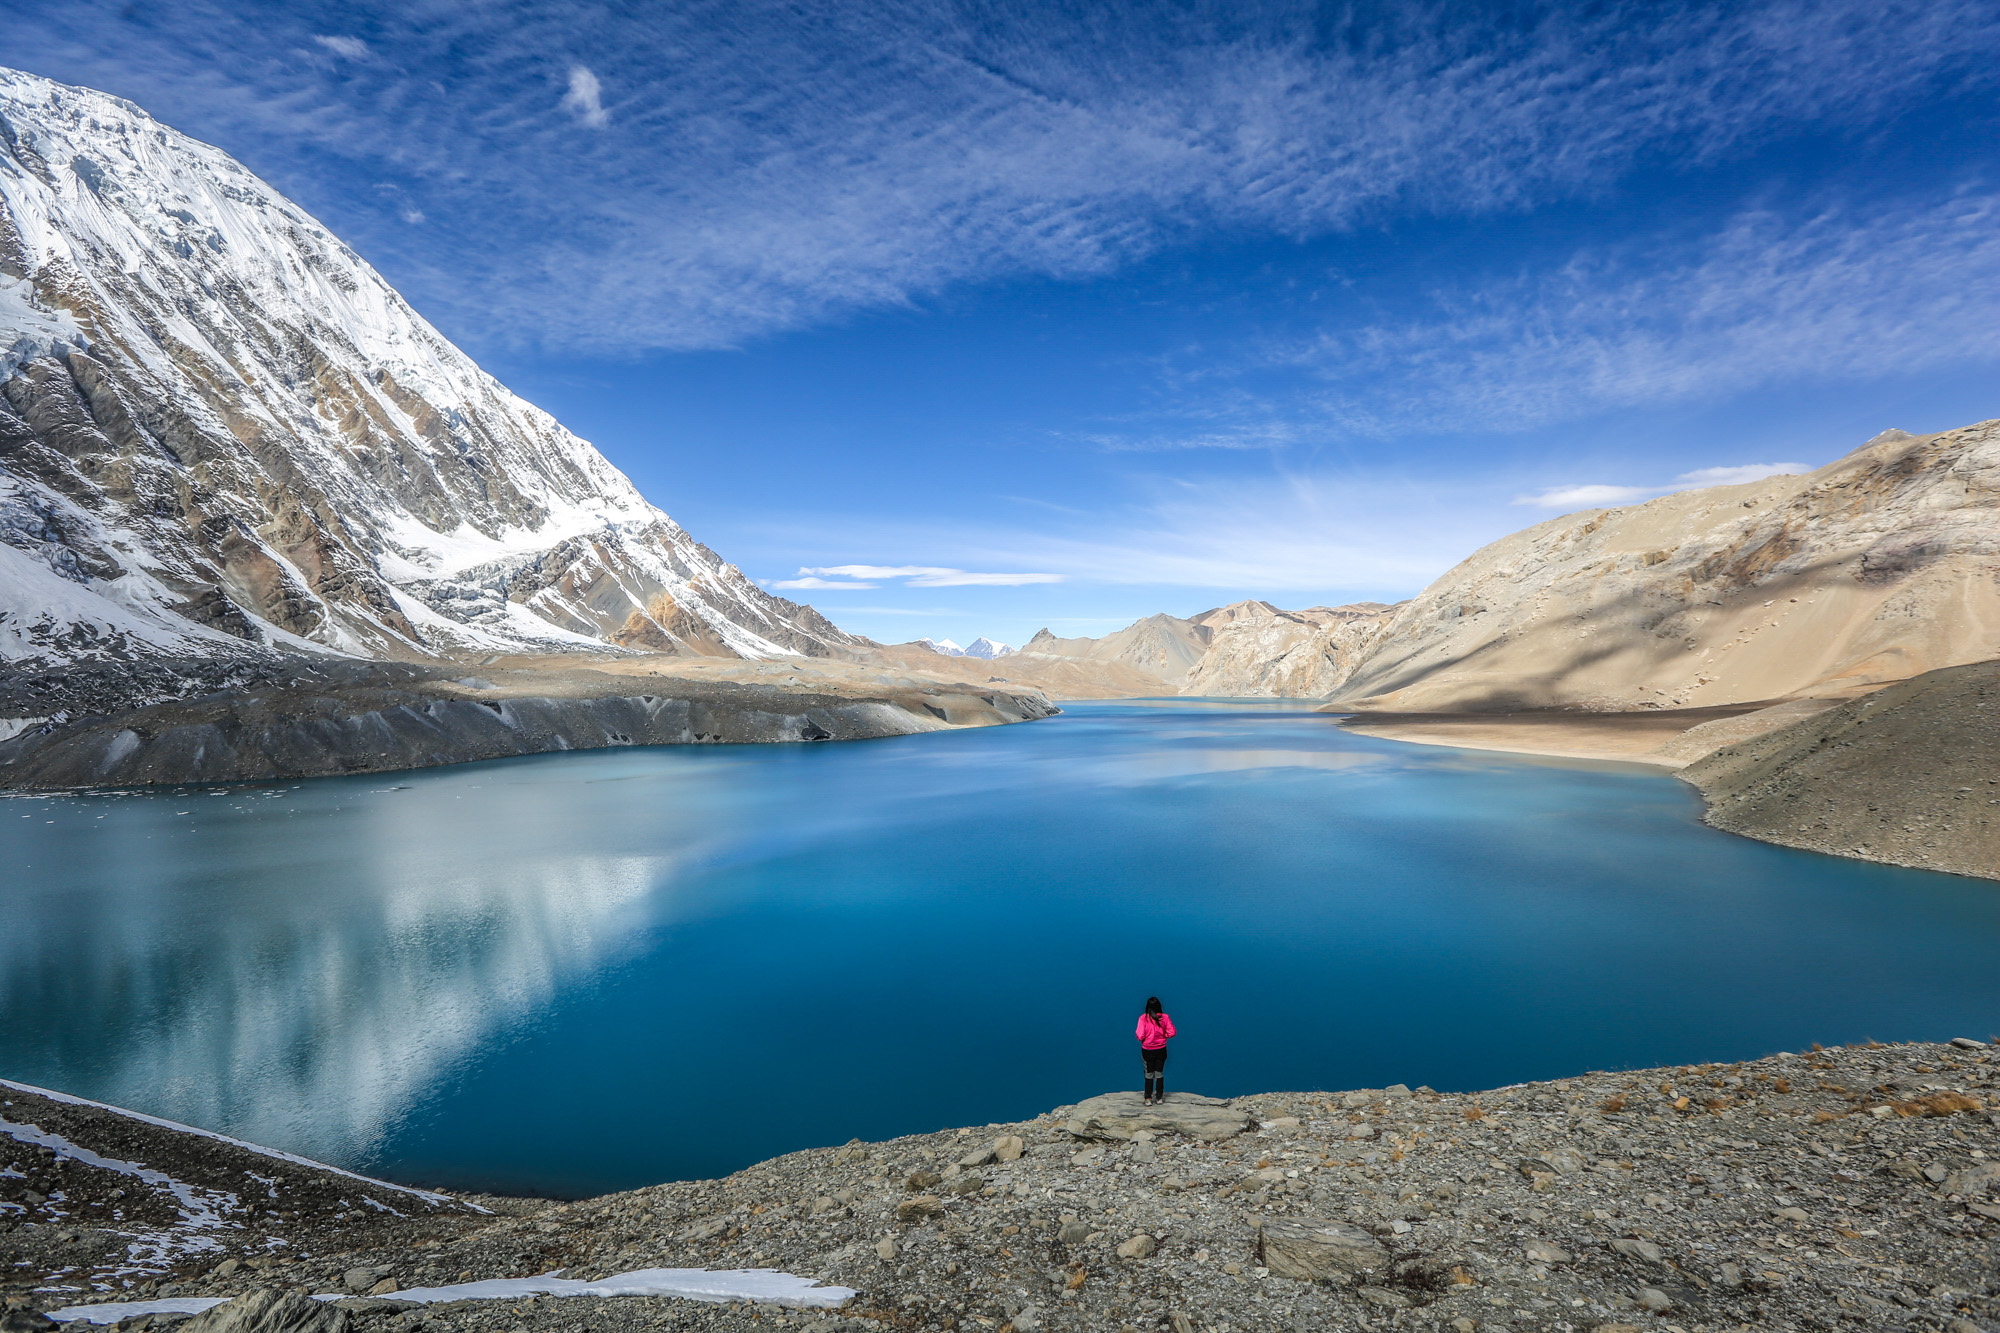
(1153,1035)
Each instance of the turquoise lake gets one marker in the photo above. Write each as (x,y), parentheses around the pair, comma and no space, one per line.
(583,972)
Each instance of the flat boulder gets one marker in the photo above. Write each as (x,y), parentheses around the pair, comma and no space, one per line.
(268,1311)
(1120,1115)
(1310,1251)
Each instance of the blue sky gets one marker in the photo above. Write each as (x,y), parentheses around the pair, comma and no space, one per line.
(1143,307)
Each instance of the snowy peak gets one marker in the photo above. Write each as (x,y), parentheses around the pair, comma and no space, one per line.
(983,648)
(221,430)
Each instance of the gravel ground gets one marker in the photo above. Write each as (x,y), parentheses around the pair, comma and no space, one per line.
(1851,1188)
(1909,774)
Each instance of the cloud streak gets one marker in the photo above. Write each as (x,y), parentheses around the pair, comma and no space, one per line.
(916,576)
(1594,496)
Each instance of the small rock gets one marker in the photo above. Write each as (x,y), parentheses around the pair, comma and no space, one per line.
(1180,1323)
(1653,1299)
(1145,1152)
(1396,1092)
(1968,1044)
(384,1287)
(225,1268)
(1088,1157)
(1233,1268)
(1008,1148)
(1792,1215)
(1074,1233)
(1382,1296)
(1362,1098)
(919,1208)
(1732,1275)
(1544,1253)
(978,1157)
(1639,1249)
(919,1181)
(1026,1320)
(1282,1123)
(965,1184)
(885,1248)
(1934,1173)
(1139,1247)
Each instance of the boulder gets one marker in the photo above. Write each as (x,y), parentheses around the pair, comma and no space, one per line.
(1120,1115)
(919,1208)
(1309,1251)
(1008,1148)
(268,1311)
(1974,1179)
(1139,1247)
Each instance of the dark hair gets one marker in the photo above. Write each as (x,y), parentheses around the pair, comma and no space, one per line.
(1153,1005)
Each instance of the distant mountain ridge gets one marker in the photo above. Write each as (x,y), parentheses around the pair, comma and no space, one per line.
(222,431)
(1878,567)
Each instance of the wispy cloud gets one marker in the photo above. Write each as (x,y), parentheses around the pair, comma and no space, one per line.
(917,576)
(585,98)
(1843,291)
(1599,496)
(353,48)
(816,584)
(778,166)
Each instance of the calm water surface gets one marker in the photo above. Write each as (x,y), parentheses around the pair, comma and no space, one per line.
(582,972)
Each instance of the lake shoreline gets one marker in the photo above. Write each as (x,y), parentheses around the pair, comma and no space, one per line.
(1841,1183)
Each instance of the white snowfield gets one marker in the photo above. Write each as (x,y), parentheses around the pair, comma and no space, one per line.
(762,1286)
(349,465)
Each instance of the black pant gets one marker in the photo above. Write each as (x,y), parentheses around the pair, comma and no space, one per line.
(1156,1061)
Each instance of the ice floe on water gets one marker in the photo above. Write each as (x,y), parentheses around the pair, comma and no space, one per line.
(762,1286)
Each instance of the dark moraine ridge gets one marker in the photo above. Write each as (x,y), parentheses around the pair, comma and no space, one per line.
(282,718)
(1845,1188)
(1908,775)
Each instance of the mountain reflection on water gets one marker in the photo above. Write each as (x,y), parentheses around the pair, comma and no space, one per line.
(581,972)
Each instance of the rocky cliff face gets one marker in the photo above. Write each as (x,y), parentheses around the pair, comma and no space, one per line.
(221,432)
(1259,650)
(1877,567)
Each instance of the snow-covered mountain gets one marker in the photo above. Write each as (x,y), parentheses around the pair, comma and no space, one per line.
(221,430)
(986,648)
(944,646)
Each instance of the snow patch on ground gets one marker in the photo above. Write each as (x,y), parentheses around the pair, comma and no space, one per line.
(764,1286)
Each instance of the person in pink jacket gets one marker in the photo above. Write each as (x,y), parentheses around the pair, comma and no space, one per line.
(1154,1029)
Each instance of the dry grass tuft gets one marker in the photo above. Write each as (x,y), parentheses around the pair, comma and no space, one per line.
(1821,1117)
(1938,1103)
(1782,1085)
(1474,1113)
(1612,1105)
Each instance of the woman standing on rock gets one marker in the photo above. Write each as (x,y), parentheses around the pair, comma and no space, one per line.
(1154,1029)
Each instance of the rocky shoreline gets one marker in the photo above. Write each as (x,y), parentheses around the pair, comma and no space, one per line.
(271,719)
(1849,1188)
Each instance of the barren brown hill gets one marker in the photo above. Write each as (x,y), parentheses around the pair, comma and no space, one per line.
(1875,568)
